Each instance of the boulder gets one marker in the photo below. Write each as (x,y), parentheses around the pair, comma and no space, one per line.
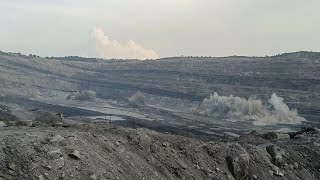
(140,138)
(277,136)
(254,176)
(58,163)
(2,124)
(74,154)
(40,177)
(276,155)
(277,172)
(58,140)
(93,177)
(55,154)
(238,160)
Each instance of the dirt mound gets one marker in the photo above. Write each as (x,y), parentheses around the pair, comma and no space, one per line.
(99,151)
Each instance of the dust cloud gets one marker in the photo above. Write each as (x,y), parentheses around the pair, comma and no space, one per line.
(275,111)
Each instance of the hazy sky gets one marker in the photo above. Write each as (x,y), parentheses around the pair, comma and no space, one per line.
(159,28)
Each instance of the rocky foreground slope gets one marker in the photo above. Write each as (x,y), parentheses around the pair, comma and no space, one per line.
(100,151)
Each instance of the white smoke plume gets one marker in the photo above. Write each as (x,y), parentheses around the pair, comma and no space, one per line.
(274,112)
(114,49)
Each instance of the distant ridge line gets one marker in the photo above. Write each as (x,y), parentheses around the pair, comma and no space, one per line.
(298,54)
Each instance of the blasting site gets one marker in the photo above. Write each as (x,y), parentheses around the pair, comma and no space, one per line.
(274,111)
(157,90)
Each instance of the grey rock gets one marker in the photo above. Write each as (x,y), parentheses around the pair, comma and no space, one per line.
(277,171)
(270,173)
(12,166)
(282,136)
(62,176)
(74,154)
(2,124)
(57,124)
(58,163)
(165,144)
(238,160)
(182,164)
(55,154)
(47,167)
(277,136)
(27,123)
(140,138)
(230,177)
(40,177)
(93,177)
(301,136)
(281,174)
(276,155)
(254,176)
(58,140)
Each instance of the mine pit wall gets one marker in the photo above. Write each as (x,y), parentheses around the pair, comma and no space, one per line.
(173,83)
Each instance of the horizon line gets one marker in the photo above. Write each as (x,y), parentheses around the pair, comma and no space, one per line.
(177,56)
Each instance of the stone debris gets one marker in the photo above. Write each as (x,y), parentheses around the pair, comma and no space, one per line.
(100,153)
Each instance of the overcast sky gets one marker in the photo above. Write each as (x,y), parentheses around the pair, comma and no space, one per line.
(159,28)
